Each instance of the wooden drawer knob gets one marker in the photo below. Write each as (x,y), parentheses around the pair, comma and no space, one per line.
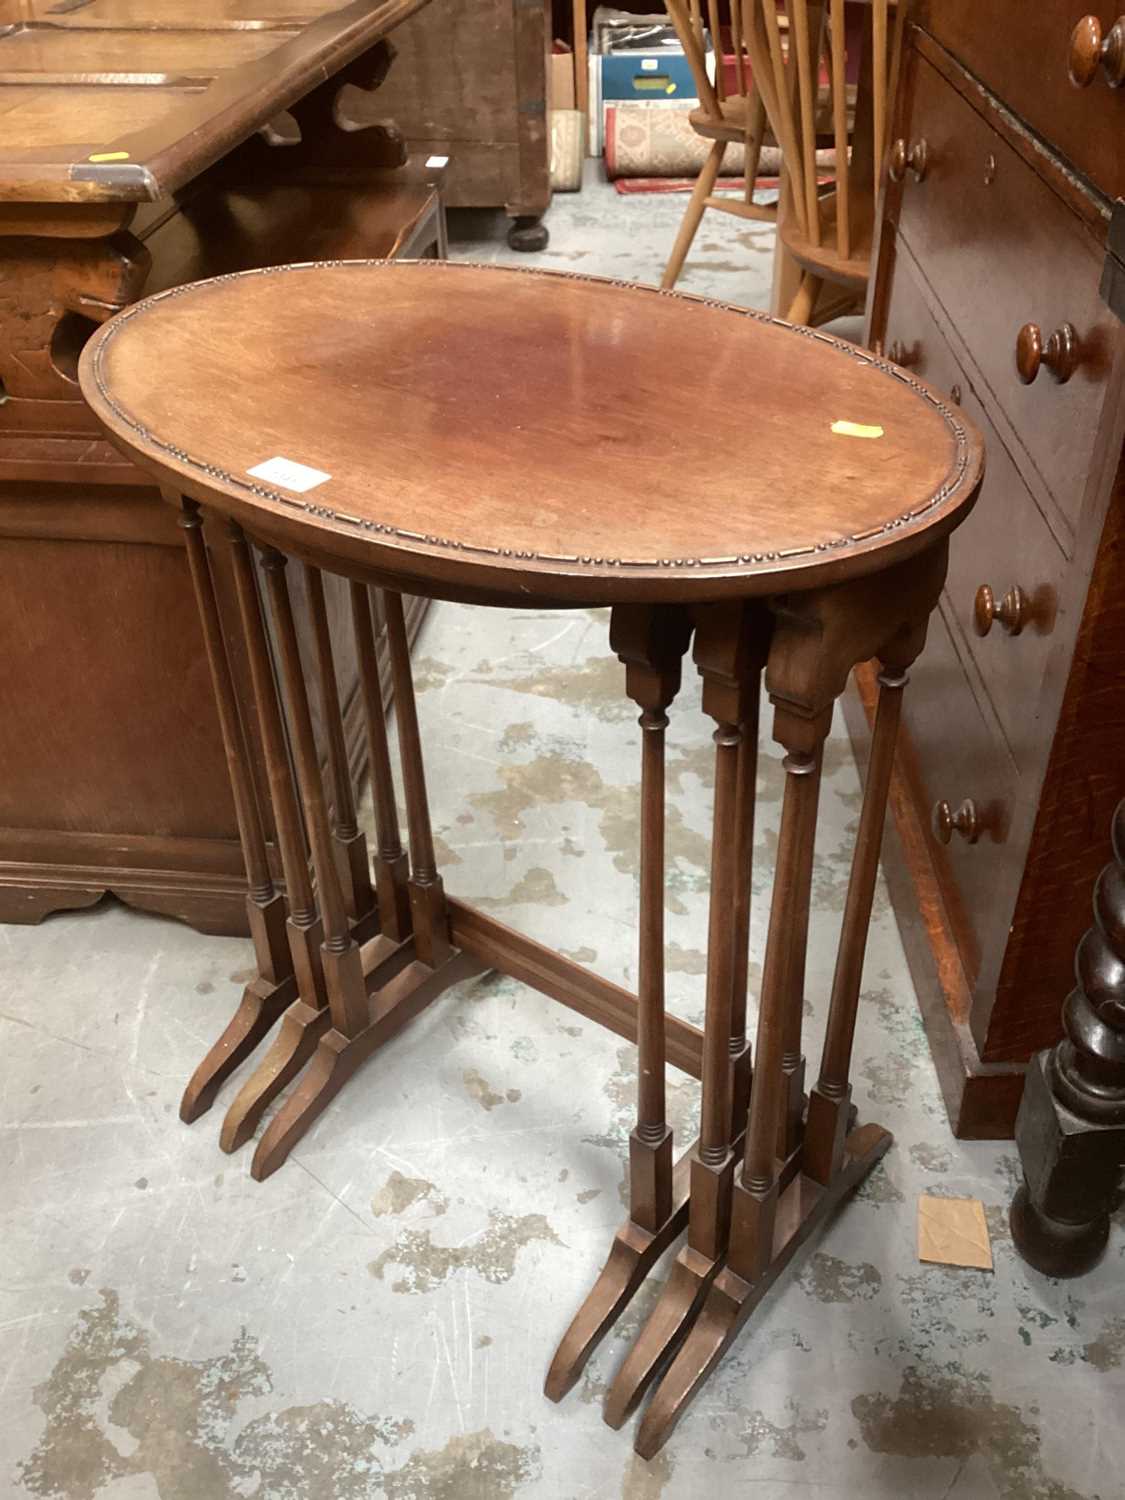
(1011,611)
(1059,354)
(965,822)
(1089,49)
(903,158)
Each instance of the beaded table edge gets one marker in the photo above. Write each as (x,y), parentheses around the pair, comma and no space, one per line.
(944,492)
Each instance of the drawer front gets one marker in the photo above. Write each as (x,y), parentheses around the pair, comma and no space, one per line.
(1020,49)
(1002,251)
(1005,542)
(958,755)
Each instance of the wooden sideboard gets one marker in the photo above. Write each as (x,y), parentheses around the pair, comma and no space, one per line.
(990,263)
(470,77)
(130,162)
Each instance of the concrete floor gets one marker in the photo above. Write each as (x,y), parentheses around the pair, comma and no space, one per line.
(377,1318)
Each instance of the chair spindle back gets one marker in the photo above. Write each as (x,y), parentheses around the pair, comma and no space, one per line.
(785,43)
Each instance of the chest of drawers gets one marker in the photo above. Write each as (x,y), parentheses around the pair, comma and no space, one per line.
(989,272)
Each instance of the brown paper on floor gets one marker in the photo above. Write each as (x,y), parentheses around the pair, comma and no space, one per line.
(953,1232)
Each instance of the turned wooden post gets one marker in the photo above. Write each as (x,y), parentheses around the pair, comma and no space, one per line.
(819,637)
(651,643)
(830,1099)
(304,925)
(427,894)
(741,1053)
(343,970)
(392,866)
(756,1193)
(725,642)
(350,843)
(301,1023)
(264,905)
(1071,1126)
(274,984)
(790,1128)
(730,645)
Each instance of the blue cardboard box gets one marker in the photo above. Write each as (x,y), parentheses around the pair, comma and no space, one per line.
(646,76)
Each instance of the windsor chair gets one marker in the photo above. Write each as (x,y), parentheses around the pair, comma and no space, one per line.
(724,118)
(828,234)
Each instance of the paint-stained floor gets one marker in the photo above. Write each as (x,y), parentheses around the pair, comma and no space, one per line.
(376,1319)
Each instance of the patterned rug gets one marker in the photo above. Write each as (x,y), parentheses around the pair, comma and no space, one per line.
(765,188)
(656,141)
(653,149)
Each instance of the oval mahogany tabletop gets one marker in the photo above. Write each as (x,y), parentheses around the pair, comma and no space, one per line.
(484,433)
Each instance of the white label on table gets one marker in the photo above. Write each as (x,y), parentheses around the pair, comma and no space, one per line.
(289,475)
(437,161)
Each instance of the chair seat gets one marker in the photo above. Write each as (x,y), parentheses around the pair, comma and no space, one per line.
(729,126)
(824,259)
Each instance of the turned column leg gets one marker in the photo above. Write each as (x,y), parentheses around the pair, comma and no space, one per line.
(741,1053)
(273,988)
(427,894)
(350,843)
(1071,1125)
(343,972)
(304,1023)
(650,1144)
(728,652)
(709,1218)
(830,1100)
(756,1194)
(650,641)
(790,1125)
(402,977)
(777,1200)
(392,871)
(730,646)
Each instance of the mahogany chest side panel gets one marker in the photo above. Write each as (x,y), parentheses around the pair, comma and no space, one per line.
(1004,227)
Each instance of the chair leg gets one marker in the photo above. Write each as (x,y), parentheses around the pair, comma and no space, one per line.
(692,215)
(755,135)
(800,309)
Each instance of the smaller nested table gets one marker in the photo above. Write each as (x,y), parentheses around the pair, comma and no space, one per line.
(773,498)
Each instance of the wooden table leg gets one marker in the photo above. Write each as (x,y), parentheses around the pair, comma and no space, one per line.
(350,843)
(758,1190)
(741,1053)
(392,867)
(791,1117)
(777,1203)
(651,642)
(306,1021)
(369,974)
(427,894)
(340,957)
(274,985)
(756,1195)
(830,1101)
(729,650)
